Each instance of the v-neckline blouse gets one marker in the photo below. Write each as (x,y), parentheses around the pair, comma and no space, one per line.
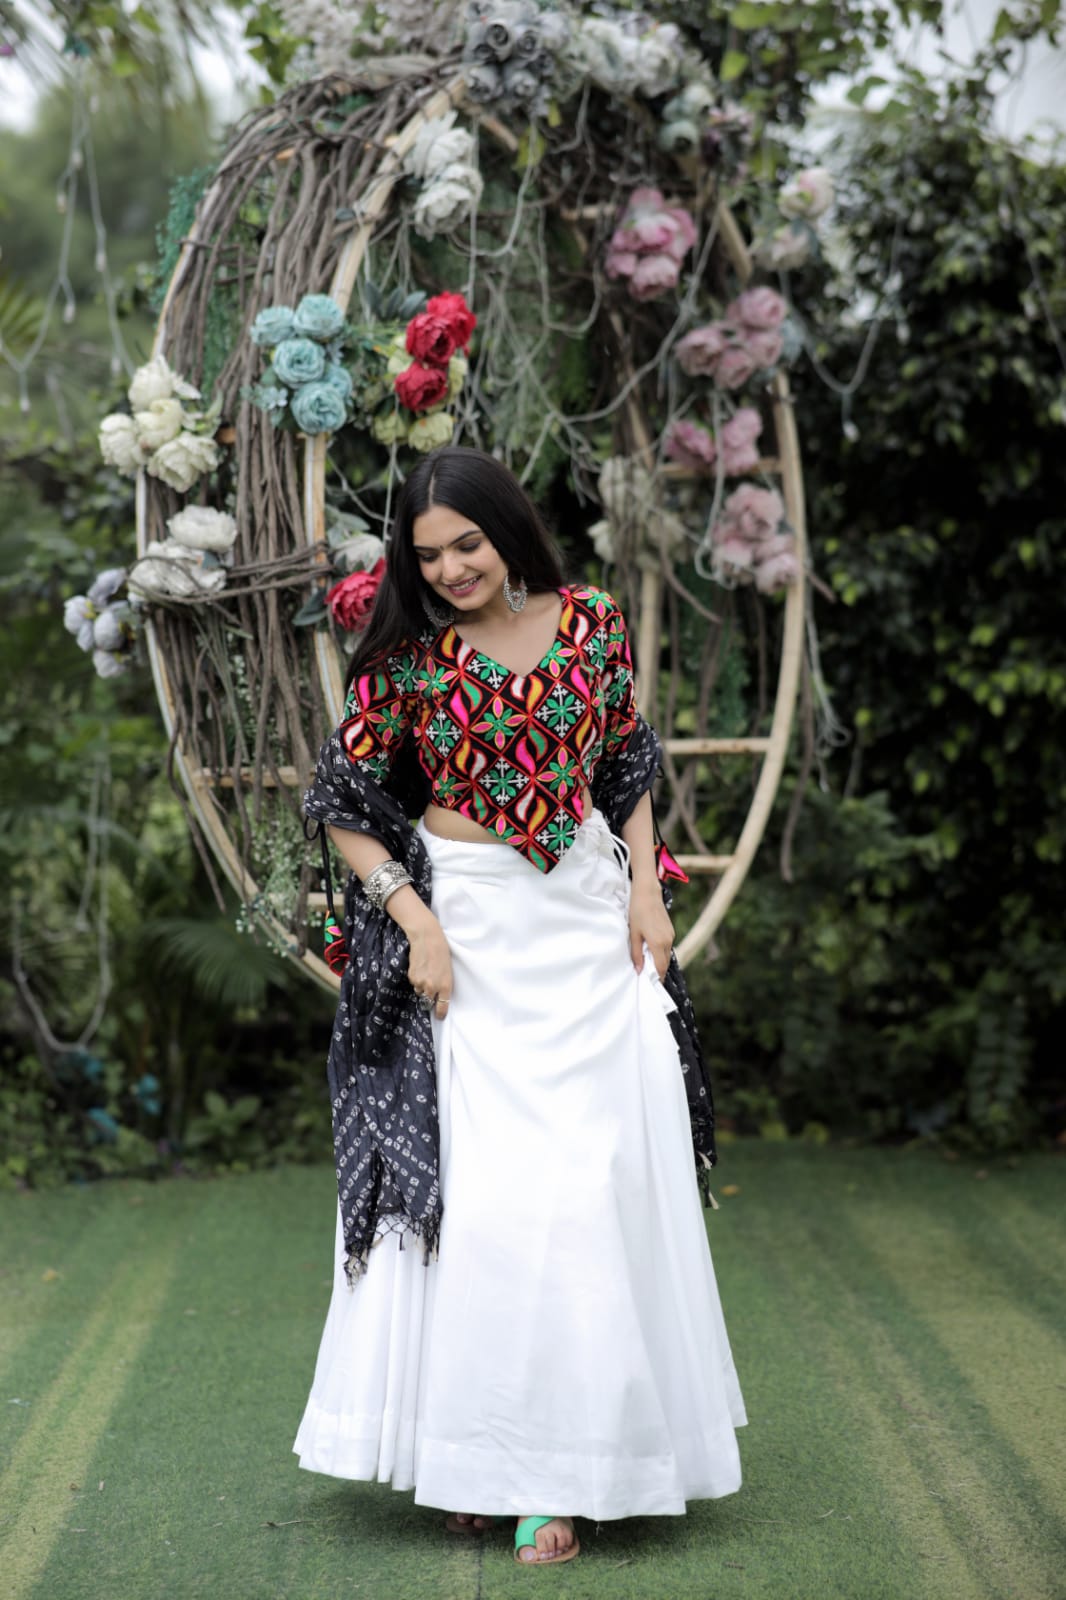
(511,751)
(499,664)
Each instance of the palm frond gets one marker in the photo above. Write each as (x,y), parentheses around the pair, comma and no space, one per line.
(224,966)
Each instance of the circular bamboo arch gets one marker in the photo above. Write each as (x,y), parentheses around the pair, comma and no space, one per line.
(730,869)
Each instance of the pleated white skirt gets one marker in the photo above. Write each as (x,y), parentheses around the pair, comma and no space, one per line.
(566,1351)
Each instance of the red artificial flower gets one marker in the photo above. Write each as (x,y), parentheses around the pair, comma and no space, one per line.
(352,600)
(420,388)
(453,309)
(431,339)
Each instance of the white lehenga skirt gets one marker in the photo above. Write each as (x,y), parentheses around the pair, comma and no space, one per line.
(566,1351)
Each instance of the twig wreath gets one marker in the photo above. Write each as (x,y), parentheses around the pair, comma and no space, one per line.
(523,243)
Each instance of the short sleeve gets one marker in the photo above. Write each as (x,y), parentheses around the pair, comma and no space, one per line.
(618,688)
(378,713)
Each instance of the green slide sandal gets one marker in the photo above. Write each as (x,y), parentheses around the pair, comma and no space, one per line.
(526,1534)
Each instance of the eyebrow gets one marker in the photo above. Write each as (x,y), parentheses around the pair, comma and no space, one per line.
(433,548)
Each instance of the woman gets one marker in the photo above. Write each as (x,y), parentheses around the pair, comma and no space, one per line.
(514,1071)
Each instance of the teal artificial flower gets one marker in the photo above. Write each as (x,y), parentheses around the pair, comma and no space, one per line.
(319,317)
(272,325)
(318,408)
(298,361)
(338,378)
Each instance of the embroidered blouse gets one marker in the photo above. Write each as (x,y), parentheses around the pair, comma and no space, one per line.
(511,751)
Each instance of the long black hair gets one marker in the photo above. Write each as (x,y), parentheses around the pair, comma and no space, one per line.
(479,487)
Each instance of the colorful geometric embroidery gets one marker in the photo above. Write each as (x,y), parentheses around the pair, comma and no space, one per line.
(510,751)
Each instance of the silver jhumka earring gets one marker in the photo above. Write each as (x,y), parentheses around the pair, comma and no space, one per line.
(516,598)
(439,619)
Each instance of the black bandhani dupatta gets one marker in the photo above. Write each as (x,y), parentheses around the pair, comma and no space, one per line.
(381,1069)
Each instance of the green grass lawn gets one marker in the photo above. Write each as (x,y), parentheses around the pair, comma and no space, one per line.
(898,1324)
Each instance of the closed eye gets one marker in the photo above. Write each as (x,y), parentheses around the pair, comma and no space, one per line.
(431,555)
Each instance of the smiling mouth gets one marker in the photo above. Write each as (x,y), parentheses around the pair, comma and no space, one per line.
(461,588)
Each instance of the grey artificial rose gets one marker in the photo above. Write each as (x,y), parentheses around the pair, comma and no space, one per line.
(338,378)
(271,326)
(500,36)
(479,49)
(483,83)
(298,361)
(520,83)
(318,317)
(318,408)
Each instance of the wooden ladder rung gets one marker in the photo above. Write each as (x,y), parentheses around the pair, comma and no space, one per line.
(717,747)
(703,864)
(288,775)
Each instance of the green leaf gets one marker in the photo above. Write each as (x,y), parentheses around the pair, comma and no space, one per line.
(313,610)
(750,15)
(531,147)
(734,65)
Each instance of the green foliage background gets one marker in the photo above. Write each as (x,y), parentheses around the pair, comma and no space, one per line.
(909,980)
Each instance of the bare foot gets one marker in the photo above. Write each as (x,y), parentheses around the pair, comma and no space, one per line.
(553,1539)
(467,1519)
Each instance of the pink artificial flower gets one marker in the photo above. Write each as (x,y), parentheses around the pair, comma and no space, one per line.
(649,229)
(698,351)
(763,348)
(734,367)
(737,441)
(621,263)
(777,573)
(653,276)
(692,446)
(777,544)
(758,308)
(644,200)
(650,233)
(732,557)
(684,235)
(755,513)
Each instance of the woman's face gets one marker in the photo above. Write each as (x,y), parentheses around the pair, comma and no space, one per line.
(457,560)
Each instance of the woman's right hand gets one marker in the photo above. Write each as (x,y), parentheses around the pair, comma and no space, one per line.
(429,966)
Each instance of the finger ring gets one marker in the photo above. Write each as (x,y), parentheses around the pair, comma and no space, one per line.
(427,1001)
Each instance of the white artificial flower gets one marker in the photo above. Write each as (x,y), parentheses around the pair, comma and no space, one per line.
(630,496)
(108,632)
(158,422)
(447,200)
(658,60)
(203,528)
(389,428)
(106,585)
(431,429)
(360,553)
(602,535)
(439,144)
(458,368)
(181,461)
(156,381)
(696,100)
(108,664)
(787,247)
(78,615)
(808,194)
(607,54)
(172,570)
(118,443)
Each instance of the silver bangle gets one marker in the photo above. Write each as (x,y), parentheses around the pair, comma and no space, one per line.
(383,880)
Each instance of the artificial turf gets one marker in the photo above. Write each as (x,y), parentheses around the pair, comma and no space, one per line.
(898,1324)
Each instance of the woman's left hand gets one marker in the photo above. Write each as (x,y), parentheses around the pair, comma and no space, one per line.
(649,923)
